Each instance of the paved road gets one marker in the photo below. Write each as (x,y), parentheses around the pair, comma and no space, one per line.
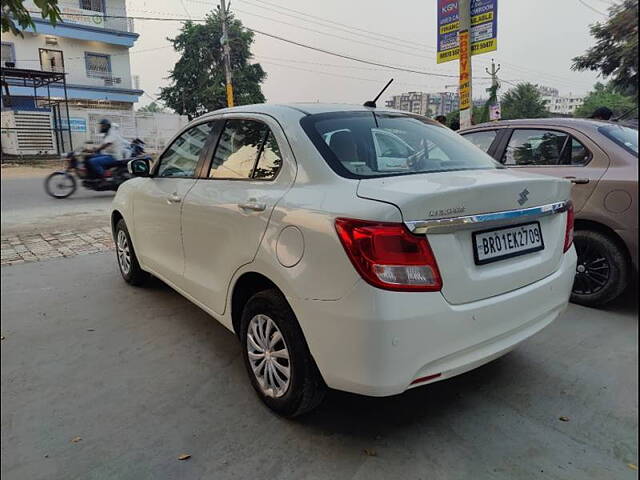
(26,206)
(142,376)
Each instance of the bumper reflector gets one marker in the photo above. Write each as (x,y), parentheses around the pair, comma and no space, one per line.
(425,379)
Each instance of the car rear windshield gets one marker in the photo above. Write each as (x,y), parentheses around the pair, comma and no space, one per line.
(626,137)
(369,144)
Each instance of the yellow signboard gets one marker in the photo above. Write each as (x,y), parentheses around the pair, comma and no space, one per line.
(465,70)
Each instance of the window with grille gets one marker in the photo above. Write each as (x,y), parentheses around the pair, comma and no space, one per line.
(94,5)
(98,65)
(8,53)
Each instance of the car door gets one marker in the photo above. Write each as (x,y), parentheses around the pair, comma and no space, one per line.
(226,212)
(158,203)
(560,152)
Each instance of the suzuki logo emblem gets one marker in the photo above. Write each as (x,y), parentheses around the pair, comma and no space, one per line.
(523,196)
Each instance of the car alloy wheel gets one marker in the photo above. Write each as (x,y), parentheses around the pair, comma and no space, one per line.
(268,356)
(124,254)
(592,270)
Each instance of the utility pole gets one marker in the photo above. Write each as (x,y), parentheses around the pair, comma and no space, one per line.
(226,53)
(494,108)
(464,42)
(494,73)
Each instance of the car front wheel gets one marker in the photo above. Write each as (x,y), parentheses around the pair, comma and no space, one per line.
(602,269)
(126,255)
(277,358)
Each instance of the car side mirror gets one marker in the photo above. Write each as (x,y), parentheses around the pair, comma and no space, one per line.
(139,167)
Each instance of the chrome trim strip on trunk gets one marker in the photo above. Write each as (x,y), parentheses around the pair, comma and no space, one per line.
(444,225)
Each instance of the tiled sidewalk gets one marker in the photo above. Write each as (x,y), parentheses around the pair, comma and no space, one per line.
(18,249)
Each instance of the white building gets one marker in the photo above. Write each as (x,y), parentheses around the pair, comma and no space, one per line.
(563,105)
(92,49)
(559,104)
(427,104)
(414,102)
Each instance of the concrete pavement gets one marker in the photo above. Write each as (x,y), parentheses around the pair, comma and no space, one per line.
(27,208)
(102,380)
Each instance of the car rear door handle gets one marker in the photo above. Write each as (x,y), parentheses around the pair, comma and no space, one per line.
(174,198)
(578,181)
(253,205)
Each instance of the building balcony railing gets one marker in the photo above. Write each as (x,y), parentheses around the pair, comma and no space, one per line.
(108,78)
(92,18)
(52,69)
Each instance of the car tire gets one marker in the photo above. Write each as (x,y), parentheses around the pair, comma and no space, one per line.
(267,318)
(602,271)
(126,256)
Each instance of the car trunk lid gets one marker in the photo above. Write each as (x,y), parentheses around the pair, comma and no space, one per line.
(443,195)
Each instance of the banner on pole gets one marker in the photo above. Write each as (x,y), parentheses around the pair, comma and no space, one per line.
(465,78)
(484,28)
(494,112)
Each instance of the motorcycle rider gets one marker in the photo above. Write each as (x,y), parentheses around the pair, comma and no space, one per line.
(112,148)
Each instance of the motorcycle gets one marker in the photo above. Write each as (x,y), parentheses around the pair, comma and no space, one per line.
(63,183)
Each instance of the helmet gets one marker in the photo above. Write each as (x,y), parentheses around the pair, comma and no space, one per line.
(105,125)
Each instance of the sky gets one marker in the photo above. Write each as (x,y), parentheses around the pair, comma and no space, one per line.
(536,42)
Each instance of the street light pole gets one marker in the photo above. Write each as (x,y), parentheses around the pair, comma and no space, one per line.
(226,51)
(464,42)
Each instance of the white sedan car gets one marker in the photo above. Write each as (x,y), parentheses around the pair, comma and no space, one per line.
(336,268)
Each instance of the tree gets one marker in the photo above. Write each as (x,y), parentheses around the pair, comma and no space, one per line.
(15,11)
(523,101)
(197,79)
(453,118)
(153,107)
(615,53)
(605,96)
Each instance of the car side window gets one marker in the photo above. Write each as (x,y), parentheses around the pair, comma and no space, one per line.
(181,158)
(535,147)
(247,149)
(270,160)
(482,140)
(576,153)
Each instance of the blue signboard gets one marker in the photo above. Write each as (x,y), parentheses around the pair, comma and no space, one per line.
(484,28)
(76,124)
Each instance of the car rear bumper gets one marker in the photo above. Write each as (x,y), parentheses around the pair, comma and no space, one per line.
(376,342)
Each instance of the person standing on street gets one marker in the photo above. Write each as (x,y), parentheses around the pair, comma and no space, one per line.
(441,119)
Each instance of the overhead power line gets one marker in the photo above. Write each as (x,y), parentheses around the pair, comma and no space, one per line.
(402,68)
(343,28)
(592,8)
(293,42)
(416,47)
(317,19)
(308,29)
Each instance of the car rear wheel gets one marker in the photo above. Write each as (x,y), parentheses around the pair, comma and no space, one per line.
(277,358)
(602,269)
(126,255)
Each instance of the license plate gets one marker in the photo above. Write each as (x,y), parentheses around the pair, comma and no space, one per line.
(500,243)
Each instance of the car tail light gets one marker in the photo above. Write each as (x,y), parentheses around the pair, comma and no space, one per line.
(388,256)
(568,234)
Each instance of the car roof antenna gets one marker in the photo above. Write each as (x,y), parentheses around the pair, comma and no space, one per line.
(372,103)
